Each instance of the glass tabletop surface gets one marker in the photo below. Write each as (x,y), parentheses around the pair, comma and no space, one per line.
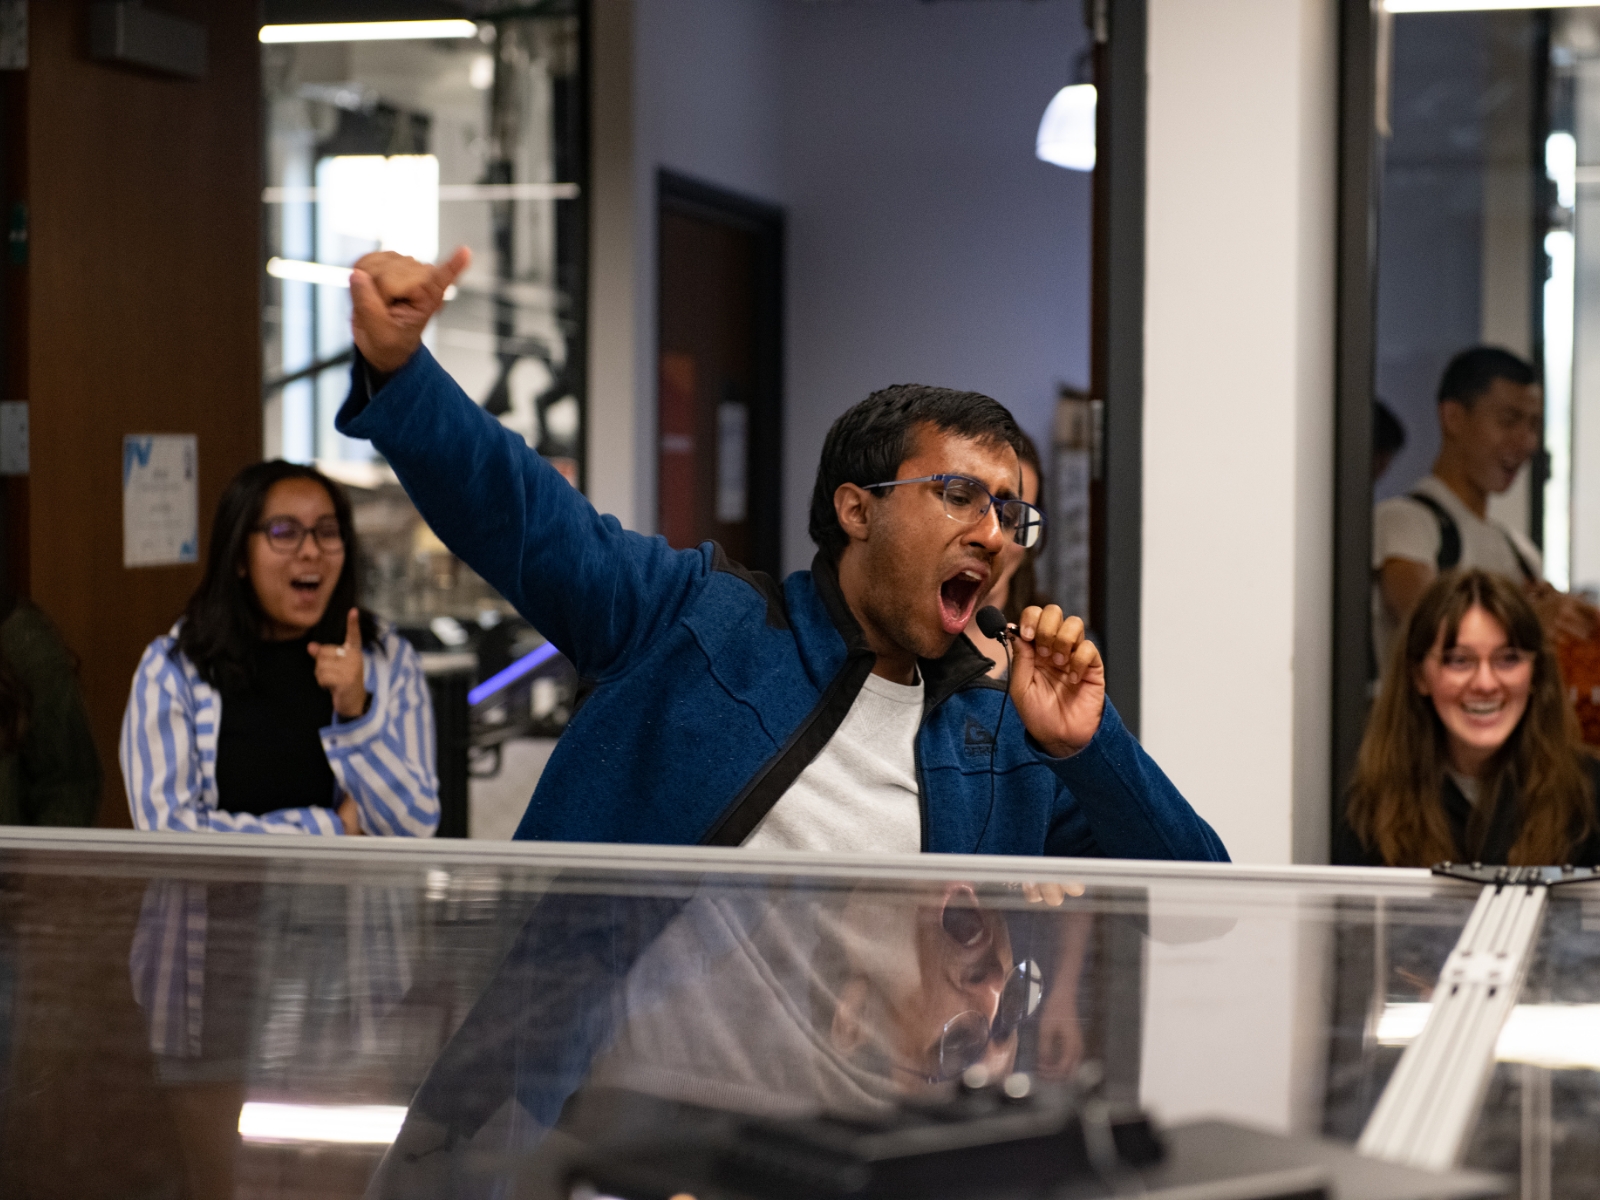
(1540,1123)
(218,1017)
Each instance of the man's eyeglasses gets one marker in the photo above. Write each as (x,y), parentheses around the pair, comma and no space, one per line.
(286,535)
(1463,664)
(966,1037)
(968,501)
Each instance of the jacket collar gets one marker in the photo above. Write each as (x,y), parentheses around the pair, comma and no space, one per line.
(942,677)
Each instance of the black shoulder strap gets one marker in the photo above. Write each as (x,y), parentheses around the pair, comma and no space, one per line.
(1529,575)
(1449,534)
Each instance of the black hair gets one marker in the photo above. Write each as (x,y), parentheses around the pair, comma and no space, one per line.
(1388,434)
(224,620)
(16,700)
(870,441)
(1472,372)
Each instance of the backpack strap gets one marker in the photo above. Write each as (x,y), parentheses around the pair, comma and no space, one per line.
(1449,533)
(1450,539)
(1529,575)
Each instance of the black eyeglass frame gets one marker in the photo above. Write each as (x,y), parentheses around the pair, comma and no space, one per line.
(336,546)
(1020,998)
(1028,530)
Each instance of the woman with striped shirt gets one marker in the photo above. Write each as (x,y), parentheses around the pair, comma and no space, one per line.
(276,704)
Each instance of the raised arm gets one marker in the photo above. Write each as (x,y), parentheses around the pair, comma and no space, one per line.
(1127,807)
(594,589)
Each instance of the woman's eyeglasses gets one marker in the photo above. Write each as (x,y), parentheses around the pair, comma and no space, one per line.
(968,501)
(286,535)
(1463,664)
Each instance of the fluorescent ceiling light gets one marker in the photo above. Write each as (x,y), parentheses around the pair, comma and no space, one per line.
(308,272)
(447,191)
(326,274)
(1066,131)
(339,1124)
(369,31)
(1416,6)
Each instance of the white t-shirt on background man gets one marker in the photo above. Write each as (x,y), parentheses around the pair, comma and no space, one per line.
(1406,528)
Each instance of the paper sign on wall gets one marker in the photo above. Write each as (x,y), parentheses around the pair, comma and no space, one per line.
(160,501)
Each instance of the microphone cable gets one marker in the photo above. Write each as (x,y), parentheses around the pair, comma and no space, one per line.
(992,624)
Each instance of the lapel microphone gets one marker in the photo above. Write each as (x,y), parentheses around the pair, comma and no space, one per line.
(992,624)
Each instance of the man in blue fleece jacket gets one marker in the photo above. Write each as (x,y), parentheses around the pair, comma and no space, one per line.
(841,710)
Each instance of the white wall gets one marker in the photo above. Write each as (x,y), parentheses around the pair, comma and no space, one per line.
(925,242)
(1238,449)
(696,92)
(614,413)
(1252,975)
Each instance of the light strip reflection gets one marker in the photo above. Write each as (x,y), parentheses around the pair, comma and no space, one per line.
(368,31)
(337,1124)
(1562,1037)
(1415,6)
(314,272)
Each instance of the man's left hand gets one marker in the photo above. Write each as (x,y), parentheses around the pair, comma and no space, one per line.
(1058,681)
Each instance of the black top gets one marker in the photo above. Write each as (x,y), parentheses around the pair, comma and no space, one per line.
(1503,828)
(269,749)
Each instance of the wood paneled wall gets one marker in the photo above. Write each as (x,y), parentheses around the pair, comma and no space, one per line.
(142,316)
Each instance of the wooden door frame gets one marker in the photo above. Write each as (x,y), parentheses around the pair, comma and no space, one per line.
(684,196)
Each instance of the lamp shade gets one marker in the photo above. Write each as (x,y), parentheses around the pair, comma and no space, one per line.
(1066,131)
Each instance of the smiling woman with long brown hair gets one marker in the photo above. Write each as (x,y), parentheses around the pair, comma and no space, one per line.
(1472,752)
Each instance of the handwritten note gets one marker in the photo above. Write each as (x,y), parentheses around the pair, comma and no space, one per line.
(160,501)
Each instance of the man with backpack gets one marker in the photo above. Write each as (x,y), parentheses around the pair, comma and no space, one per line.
(1491,421)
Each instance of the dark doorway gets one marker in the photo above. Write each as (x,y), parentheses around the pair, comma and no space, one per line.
(720,381)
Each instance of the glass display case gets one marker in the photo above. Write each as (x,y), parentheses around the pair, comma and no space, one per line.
(227,1016)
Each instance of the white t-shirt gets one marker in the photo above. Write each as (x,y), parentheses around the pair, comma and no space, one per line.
(1405,528)
(860,793)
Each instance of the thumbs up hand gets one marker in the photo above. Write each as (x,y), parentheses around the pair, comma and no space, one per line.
(342,670)
(392,299)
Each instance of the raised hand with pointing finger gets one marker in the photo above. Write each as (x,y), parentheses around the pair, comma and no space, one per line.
(342,670)
(393,298)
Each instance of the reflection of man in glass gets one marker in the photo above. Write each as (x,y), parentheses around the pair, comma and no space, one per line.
(782,1002)
(803,1003)
(1491,421)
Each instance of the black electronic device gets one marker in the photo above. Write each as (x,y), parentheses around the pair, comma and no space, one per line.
(980,1142)
(1014,1141)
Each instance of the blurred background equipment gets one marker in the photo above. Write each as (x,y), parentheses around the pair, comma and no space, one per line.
(418,136)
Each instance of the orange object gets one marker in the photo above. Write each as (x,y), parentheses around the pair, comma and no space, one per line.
(1580,671)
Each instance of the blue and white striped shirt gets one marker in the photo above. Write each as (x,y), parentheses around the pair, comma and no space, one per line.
(384,758)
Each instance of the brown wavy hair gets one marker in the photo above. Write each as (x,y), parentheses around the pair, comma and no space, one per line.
(1396,802)
(1025,589)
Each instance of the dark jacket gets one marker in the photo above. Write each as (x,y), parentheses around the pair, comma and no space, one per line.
(715,686)
(53,777)
(1503,829)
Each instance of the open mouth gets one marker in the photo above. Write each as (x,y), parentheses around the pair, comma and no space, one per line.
(958,596)
(1482,709)
(306,585)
